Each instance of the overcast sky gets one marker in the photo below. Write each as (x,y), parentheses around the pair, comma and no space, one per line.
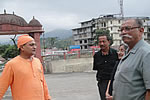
(67,14)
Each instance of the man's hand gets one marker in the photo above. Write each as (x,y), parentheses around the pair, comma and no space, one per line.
(147,97)
(109,98)
(107,94)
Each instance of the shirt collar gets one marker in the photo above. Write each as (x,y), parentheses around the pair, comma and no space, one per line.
(109,52)
(134,49)
(137,46)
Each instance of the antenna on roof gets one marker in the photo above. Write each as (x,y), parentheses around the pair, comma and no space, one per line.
(121,8)
(4,11)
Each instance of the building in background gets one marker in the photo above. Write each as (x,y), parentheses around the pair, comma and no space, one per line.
(84,35)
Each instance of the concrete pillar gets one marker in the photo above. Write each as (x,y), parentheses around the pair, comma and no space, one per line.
(36,37)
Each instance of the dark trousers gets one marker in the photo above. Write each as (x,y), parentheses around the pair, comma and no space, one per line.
(102,86)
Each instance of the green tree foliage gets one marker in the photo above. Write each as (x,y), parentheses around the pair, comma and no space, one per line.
(64,44)
(100,32)
(51,42)
(10,52)
(3,48)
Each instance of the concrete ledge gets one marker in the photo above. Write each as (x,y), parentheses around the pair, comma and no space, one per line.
(69,65)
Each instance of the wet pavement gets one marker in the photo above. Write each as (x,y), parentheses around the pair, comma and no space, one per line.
(69,86)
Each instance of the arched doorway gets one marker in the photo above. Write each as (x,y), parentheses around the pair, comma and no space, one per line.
(11,24)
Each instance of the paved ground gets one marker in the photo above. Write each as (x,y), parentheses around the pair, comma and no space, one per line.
(70,86)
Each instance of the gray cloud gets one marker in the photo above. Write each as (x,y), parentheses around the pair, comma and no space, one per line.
(55,14)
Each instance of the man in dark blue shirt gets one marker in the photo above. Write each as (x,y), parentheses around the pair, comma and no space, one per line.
(104,62)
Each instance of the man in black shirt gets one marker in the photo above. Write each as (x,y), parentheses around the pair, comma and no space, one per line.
(104,62)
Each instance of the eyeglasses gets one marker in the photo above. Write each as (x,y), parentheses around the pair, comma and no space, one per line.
(127,28)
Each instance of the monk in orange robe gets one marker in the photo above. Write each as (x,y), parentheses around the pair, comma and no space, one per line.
(24,74)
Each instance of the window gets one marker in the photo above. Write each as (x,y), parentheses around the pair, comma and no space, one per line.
(85,47)
(80,30)
(148,35)
(110,22)
(111,28)
(104,24)
(81,42)
(80,36)
(85,41)
(119,21)
(85,35)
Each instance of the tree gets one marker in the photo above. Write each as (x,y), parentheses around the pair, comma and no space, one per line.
(3,48)
(64,44)
(50,41)
(100,32)
(10,52)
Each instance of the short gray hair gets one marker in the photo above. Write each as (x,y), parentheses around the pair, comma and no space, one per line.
(139,22)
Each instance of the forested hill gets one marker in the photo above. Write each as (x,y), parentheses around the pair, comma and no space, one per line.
(60,33)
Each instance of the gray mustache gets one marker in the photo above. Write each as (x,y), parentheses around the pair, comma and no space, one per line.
(126,35)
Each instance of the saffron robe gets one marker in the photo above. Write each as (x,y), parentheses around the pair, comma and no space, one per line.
(25,78)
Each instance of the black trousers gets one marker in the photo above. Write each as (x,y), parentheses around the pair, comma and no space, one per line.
(102,86)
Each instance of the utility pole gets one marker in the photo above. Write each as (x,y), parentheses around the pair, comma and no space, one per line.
(121,8)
